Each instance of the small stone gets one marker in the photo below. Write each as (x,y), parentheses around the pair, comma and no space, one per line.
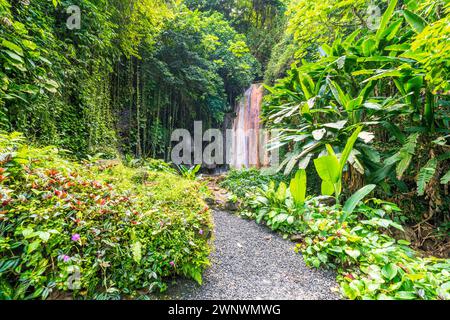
(231,206)
(297,238)
(219,203)
(327,201)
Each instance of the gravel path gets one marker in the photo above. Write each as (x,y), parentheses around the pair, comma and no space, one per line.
(251,263)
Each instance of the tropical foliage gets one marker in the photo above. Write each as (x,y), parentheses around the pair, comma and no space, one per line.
(365,105)
(248,180)
(358,91)
(383,80)
(96,229)
(132,72)
(352,240)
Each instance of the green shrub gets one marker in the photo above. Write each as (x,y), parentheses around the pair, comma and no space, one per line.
(282,207)
(242,182)
(351,240)
(370,264)
(90,229)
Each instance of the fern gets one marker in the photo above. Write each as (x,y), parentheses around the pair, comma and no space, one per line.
(425,175)
(428,172)
(446,178)
(444,157)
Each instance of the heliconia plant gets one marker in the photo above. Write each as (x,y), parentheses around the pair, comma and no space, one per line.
(298,187)
(330,168)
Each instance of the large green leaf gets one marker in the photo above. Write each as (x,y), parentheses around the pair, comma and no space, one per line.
(394,131)
(446,178)
(392,30)
(406,295)
(298,187)
(406,154)
(415,21)
(364,93)
(348,149)
(350,40)
(349,292)
(12,46)
(307,85)
(369,46)
(281,192)
(327,188)
(328,168)
(386,18)
(353,201)
(338,93)
(353,253)
(403,165)
(389,271)
(425,175)
(291,163)
(384,74)
(14,56)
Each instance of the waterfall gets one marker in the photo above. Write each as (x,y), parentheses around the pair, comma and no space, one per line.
(249,140)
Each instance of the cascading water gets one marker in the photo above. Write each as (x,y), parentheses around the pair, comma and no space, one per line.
(249,140)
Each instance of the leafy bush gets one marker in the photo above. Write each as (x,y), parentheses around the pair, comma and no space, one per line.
(276,208)
(149,164)
(370,264)
(241,182)
(392,81)
(280,208)
(189,173)
(90,229)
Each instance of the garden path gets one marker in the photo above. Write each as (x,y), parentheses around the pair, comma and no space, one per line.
(249,262)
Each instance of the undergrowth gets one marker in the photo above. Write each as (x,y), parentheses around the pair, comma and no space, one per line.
(369,263)
(94,229)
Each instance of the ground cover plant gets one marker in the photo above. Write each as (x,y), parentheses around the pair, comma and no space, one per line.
(96,228)
(352,240)
(248,180)
(349,237)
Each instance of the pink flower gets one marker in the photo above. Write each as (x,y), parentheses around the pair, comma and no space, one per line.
(201,232)
(76,237)
(66,258)
(172,263)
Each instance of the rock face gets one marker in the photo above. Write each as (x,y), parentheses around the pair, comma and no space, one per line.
(297,238)
(210,201)
(248,139)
